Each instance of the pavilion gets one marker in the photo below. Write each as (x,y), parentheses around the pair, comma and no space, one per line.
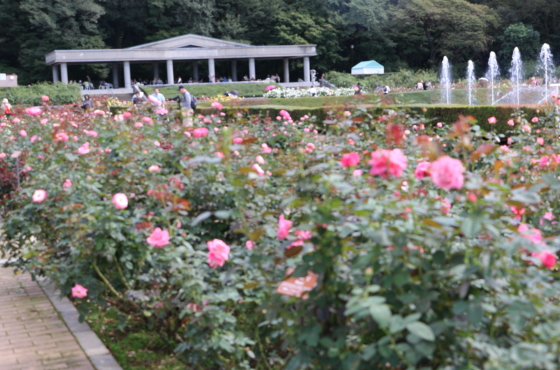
(182,48)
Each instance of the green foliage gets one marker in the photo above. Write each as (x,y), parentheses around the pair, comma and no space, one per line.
(402,78)
(522,36)
(31,95)
(208,90)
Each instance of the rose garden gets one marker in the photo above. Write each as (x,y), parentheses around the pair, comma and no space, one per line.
(381,239)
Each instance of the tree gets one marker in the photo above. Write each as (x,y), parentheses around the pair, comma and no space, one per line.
(522,36)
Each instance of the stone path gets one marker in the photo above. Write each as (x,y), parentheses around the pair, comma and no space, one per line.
(34,337)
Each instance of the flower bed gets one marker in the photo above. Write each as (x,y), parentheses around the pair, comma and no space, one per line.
(414,245)
(299,93)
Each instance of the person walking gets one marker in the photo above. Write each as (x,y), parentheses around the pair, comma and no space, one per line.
(6,107)
(188,104)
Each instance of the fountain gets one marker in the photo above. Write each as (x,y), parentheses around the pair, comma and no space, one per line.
(546,65)
(493,72)
(445,80)
(515,72)
(470,80)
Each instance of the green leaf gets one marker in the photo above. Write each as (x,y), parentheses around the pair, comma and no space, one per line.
(421,330)
(381,314)
(71,157)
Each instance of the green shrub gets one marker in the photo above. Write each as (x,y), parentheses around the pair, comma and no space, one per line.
(31,95)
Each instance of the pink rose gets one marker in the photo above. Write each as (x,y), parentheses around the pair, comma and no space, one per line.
(237,140)
(548,216)
(534,235)
(283,228)
(23,133)
(266,149)
(138,124)
(511,122)
(526,128)
(200,132)
(99,112)
(218,253)
(91,133)
(33,111)
(120,201)
(217,105)
(45,98)
(84,149)
(147,120)
(250,244)
(447,173)
(16,120)
(535,119)
(127,115)
(2,155)
(220,155)
(387,163)
(154,168)
(350,159)
(260,160)
(492,120)
(79,291)
(258,168)
(439,124)
(159,238)
(357,173)
(67,183)
(39,196)
(422,170)
(61,136)
(540,141)
(547,258)
(33,138)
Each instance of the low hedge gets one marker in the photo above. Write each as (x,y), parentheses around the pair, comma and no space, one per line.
(31,95)
(445,114)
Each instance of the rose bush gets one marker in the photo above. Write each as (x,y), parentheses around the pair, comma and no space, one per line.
(425,269)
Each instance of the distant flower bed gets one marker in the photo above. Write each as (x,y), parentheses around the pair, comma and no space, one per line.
(300,93)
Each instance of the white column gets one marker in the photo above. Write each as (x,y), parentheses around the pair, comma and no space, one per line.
(115,75)
(234,70)
(252,72)
(156,70)
(127,80)
(64,73)
(195,70)
(306,70)
(170,76)
(286,70)
(55,77)
(211,70)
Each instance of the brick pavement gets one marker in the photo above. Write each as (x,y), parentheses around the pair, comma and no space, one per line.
(32,335)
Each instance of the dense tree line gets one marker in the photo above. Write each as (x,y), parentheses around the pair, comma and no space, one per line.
(397,33)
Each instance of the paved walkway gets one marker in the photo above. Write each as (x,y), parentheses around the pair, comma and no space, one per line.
(32,335)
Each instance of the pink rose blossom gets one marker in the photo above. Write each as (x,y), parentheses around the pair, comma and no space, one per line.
(511,122)
(79,291)
(492,120)
(540,141)
(23,133)
(526,128)
(45,98)
(127,115)
(250,244)
(44,121)
(154,168)
(447,173)
(39,196)
(217,105)
(61,136)
(237,140)
(218,252)
(33,111)
(266,149)
(504,148)
(120,201)
(156,143)
(84,149)
(350,159)
(535,119)
(534,235)
(159,238)
(387,163)
(200,132)
(99,112)
(138,124)
(91,133)
(16,120)
(357,173)
(347,113)
(2,155)
(220,155)
(547,258)
(422,170)
(283,228)
(147,120)
(67,183)
(258,168)
(548,216)
(439,124)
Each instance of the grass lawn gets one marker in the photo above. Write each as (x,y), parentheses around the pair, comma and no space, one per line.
(135,348)
(244,89)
